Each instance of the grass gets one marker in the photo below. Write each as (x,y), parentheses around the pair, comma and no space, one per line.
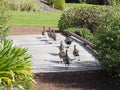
(39,18)
(73,5)
(35,18)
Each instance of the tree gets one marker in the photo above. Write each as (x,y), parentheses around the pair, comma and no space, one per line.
(105,2)
(72,1)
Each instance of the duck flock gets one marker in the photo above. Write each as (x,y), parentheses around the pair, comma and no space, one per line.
(63,48)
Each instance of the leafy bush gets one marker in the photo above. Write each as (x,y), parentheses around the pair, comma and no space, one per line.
(23,5)
(84,32)
(15,67)
(58,4)
(114,2)
(81,17)
(50,2)
(4,21)
(108,42)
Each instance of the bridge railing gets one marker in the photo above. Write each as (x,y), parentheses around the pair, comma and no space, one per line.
(80,38)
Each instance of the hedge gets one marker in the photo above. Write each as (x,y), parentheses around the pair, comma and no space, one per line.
(82,17)
(108,42)
(58,4)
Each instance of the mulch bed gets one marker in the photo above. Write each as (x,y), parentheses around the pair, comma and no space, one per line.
(87,80)
(28,30)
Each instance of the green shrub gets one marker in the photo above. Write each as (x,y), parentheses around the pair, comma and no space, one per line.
(81,17)
(108,42)
(58,4)
(23,5)
(15,67)
(4,21)
(50,2)
(114,2)
(84,32)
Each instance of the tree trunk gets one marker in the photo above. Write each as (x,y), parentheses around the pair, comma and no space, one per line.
(72,1)
(105,2)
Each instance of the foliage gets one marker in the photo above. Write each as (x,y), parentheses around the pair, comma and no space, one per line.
(108,42)
(4,20)
(35,18)
(50,2)
(90,1)
(84,32)
(75,5)
(23,5)
(15,67)
(114,2)
(58,4)
(81,17)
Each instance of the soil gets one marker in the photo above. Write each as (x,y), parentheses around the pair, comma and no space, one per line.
(28,30)
(85,80)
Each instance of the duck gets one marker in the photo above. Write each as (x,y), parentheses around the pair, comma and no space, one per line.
(66,59)
(68,41)
(61,55)
(49,33)
(76,53)
(61,47)
(43,31)
(53,36)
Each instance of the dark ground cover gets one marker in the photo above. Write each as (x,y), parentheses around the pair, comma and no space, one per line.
(87,80)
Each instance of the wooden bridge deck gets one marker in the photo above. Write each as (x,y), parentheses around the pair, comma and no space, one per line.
(45,55)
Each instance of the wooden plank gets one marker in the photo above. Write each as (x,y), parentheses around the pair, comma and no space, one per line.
(80,38)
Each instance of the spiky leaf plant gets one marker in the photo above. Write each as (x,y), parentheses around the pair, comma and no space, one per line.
(15,67)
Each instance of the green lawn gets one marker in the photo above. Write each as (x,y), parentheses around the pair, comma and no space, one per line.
(35,18)
(73,5)
(39,18)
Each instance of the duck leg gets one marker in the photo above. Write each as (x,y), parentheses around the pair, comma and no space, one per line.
(78,58)
(74,57)
(61,60)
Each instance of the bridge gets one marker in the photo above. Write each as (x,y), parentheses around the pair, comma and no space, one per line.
(45,56)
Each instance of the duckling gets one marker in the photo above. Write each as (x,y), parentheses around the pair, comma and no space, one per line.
(68,41)
(49,34)
(66,59)
(61,47)
(76,53)
(54,36)
(61,55)
(43,31)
